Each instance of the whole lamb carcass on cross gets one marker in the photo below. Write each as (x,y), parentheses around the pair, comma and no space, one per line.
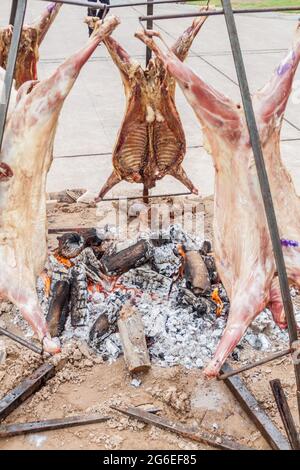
(243,247)
(151,142)
(25,159)
(31,39)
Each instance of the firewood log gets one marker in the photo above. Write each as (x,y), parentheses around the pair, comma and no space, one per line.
(132,335)
(196,274)
(131,257)
(59,308)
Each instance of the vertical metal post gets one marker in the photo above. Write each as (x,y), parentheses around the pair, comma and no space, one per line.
(263,181)
(13,12)
(11,64)
(150,10)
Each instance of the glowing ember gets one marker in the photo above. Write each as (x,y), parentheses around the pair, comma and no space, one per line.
(64,261)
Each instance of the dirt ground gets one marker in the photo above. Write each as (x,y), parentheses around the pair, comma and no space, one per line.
(85,384)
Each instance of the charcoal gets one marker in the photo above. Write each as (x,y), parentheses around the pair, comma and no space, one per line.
(70,245)
(200,305)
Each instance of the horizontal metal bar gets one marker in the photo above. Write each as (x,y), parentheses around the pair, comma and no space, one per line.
(155,2)
(33,347)
(19,429)
(270,358)
(218,13)
(80,3)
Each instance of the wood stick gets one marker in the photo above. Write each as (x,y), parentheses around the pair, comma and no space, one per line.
(25,389)
(132,335)
(18,429)
(254,411)
(202,437)
(267,359)
(285,413)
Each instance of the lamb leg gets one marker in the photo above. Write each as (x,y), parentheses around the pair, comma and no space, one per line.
(110,183)
(181,176)
(270,102)
(245,306)
(43,23)
(211,107)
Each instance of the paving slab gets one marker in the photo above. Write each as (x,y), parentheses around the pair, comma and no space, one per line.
(92,114)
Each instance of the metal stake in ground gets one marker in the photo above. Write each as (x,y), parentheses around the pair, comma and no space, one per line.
(263,181)
(285,413)
(11,64)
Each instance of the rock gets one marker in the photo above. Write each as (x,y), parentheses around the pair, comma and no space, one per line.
(135,383)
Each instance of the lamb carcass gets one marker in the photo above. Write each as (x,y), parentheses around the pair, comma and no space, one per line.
(151,142)
(24,163)
(31,39)
(243,247)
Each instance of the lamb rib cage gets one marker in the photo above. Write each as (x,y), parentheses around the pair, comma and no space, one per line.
(151,142)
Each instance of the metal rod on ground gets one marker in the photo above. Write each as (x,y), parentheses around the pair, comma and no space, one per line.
(219,12)
(22,341)
(254,411)
(203,437)
(263,181)
(270,358)
(25,389)
(10,430)
(11,64)
(13,12)
(285,413)
(118,5)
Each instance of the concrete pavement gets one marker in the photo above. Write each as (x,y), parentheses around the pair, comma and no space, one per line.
(93,112)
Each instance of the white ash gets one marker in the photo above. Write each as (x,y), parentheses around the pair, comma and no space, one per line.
(176,333)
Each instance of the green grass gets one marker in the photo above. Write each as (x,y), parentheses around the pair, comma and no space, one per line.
(258,3)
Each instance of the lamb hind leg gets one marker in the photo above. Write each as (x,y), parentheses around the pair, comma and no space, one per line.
(110,183)
(244,308)
(181,176)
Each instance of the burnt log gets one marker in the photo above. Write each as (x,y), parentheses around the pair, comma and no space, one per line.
(124,260)
(196,273)
(132,335)
(100,330)
(70,245)
(201,305)
(58,308)
(78,296)
(68,196)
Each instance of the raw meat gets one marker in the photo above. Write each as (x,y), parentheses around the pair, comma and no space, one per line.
(24,162)
(243,248)
(151,142)
(31,39)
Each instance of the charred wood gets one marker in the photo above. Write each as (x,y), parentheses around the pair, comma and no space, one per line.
(201,305)
(196,273)
(79,296)
(70,245)
(58,308)
(131,257)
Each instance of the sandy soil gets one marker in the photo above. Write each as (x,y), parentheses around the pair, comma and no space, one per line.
(85,384)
